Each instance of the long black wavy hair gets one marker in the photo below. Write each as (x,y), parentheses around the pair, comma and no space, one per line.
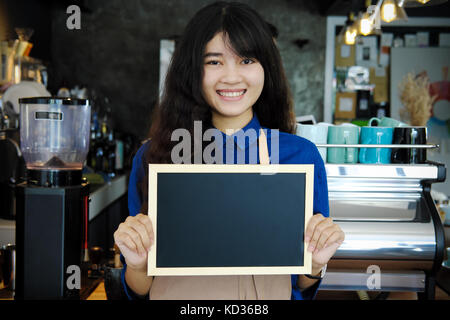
(182,101)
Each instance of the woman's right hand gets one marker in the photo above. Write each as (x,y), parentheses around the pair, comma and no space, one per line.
(134,237)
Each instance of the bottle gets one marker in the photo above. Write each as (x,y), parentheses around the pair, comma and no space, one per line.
(93,141)
(111,155)
(119,156)
(100,162)
(105,167)
(99,158)
(91,153)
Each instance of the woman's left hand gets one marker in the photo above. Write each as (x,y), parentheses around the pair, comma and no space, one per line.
(323,238)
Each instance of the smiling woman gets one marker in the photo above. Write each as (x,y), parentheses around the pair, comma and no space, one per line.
(226,74)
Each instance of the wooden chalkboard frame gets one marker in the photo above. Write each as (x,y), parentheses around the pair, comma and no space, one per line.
(155,169)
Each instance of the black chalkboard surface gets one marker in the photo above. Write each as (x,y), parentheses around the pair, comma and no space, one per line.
(229,219)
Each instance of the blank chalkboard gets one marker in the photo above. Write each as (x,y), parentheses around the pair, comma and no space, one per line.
(229,219)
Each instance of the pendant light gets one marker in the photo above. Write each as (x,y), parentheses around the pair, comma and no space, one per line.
(388,11)
(351,30)
(365,24)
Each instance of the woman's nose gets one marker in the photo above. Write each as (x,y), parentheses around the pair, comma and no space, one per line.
(232,74)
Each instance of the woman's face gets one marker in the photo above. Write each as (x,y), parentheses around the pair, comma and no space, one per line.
(231,84)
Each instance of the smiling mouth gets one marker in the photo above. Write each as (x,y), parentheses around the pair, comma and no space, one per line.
(231,93)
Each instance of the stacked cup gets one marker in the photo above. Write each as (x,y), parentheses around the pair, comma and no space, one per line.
(375,135)
(383,133)
(409,135)
(317,134)
(346,133)
(387,131)
(387,122)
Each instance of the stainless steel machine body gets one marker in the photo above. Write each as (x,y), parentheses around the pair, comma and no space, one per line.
(394,239)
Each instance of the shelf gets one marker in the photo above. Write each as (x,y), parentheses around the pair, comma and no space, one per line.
(395,146)
(382,171)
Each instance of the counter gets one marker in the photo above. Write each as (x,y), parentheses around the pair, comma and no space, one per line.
(101,196)
(7,232)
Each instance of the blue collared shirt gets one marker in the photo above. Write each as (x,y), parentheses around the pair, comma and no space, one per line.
(292,150)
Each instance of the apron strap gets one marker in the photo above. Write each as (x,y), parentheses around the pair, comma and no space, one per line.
(270,286)
(263,150)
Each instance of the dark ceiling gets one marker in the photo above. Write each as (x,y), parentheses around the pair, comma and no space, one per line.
(343,7)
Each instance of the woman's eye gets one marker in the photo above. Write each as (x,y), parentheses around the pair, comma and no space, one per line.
(247,61)
(213,62)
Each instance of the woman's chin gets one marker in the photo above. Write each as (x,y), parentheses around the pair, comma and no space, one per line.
(230,114)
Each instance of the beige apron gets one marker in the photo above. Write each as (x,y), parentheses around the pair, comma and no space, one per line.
(257,287)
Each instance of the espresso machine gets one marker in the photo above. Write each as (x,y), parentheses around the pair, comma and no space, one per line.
(52,204)
(392,228)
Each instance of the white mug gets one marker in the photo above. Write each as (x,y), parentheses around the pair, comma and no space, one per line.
(316,133)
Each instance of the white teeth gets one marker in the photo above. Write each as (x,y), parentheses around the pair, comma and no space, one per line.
(231,94)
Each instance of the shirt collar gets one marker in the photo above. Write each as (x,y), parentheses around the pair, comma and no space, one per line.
(252,125)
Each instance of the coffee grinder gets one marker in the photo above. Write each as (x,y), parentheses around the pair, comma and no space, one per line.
(52,205)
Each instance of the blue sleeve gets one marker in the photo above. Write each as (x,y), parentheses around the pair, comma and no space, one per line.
(134,206)
(307,294)
(129,293)
(320,205)
(136,175)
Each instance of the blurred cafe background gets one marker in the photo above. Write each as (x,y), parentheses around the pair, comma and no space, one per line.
(370,84)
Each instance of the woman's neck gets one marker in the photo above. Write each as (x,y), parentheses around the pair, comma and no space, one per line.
(230,125)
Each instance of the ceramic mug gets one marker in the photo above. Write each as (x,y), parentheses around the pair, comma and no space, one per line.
(386,122)
(343,134)
(317,134)
(375,135)
(409,135)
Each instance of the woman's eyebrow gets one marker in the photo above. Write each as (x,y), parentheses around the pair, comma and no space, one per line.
(212,54)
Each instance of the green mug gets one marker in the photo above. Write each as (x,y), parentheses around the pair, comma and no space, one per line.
(387,122)
(343,134)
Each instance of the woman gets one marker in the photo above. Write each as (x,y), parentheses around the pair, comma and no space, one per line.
(227,73)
